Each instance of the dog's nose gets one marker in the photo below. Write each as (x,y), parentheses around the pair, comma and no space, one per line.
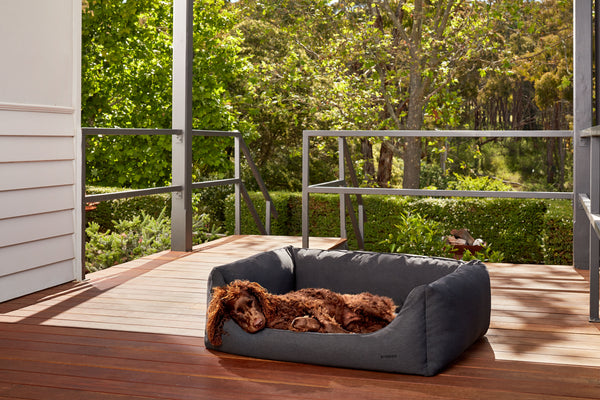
(258,323)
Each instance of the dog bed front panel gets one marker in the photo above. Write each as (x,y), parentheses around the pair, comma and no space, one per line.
(400,347)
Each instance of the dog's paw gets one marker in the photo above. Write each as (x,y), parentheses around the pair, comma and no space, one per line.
(305,324)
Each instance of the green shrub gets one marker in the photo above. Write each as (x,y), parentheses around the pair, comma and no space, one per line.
(558,233)
(284,203)
(513,226)
(416,234)
(212,200)
(516,229)
(139,236)
(487,254)
(486,183)
(107,212)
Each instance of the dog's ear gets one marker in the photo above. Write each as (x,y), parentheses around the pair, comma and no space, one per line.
(257,291)
(217,316)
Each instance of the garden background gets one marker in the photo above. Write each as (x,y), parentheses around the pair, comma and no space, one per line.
(272,69)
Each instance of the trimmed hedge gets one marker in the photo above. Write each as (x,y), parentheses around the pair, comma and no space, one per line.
(513,226)
(525,230)
(125,209)
(558,233)
(520,228)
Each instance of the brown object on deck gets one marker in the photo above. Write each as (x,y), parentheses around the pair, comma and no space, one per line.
(463,234)
(134,331)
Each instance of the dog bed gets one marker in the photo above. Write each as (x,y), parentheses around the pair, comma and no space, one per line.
(445,308)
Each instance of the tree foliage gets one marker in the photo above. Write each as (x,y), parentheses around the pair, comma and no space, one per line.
(273,68)
(126,83)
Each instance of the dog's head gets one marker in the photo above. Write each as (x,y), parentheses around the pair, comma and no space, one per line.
(241,301)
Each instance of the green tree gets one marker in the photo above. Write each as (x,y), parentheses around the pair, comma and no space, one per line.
(299,78)
(126,83)
(531,90)
(422,48)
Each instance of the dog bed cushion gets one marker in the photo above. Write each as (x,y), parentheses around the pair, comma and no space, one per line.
(445,308)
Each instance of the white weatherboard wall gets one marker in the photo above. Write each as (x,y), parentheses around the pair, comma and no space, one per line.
(40,136)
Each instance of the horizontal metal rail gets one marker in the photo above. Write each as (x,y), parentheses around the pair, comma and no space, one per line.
(129,131)
(336,183)
(335,189)
(593,218)
(591,132)
(442,133)
(131,193)
(219,182)
(199,132)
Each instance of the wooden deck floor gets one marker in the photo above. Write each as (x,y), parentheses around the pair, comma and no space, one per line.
(135,331)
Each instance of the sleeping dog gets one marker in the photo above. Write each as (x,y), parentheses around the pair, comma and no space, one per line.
(305,310)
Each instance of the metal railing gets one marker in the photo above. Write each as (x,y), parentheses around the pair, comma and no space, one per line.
(240,189)
(341,187)
(589,201)
(591,204)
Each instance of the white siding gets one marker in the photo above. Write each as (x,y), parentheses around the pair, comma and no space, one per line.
(19,148)
(18,230)
(17,203)
(37,52)
(40,138)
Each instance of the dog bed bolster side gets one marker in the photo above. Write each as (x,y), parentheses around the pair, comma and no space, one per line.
(274,270)
(457,313)
(386,274)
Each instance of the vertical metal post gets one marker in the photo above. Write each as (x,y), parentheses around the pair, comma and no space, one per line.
(83,211)
(597,60)
(594,244)
(305,183)
(361,223)
(181,214)
(594,247)
(342,177)
(582,119)
(237,202)
(268,206)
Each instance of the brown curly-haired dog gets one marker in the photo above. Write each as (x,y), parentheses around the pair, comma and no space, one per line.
(305,310)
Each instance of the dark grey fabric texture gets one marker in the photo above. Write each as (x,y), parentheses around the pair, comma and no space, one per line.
(445,308)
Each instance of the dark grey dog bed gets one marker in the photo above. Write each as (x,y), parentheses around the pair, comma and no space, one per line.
(446,308)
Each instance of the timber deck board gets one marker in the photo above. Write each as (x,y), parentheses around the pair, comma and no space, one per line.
(134,331)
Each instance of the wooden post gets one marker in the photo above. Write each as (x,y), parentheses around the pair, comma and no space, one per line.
(181,214)
(582,119)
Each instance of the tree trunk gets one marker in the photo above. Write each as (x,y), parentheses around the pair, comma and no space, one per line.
(367,153)
(550,160)
(412,152)
(412,163)
(384,169)
(562,154)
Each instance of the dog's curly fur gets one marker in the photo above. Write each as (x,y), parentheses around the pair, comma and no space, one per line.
(314,310)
